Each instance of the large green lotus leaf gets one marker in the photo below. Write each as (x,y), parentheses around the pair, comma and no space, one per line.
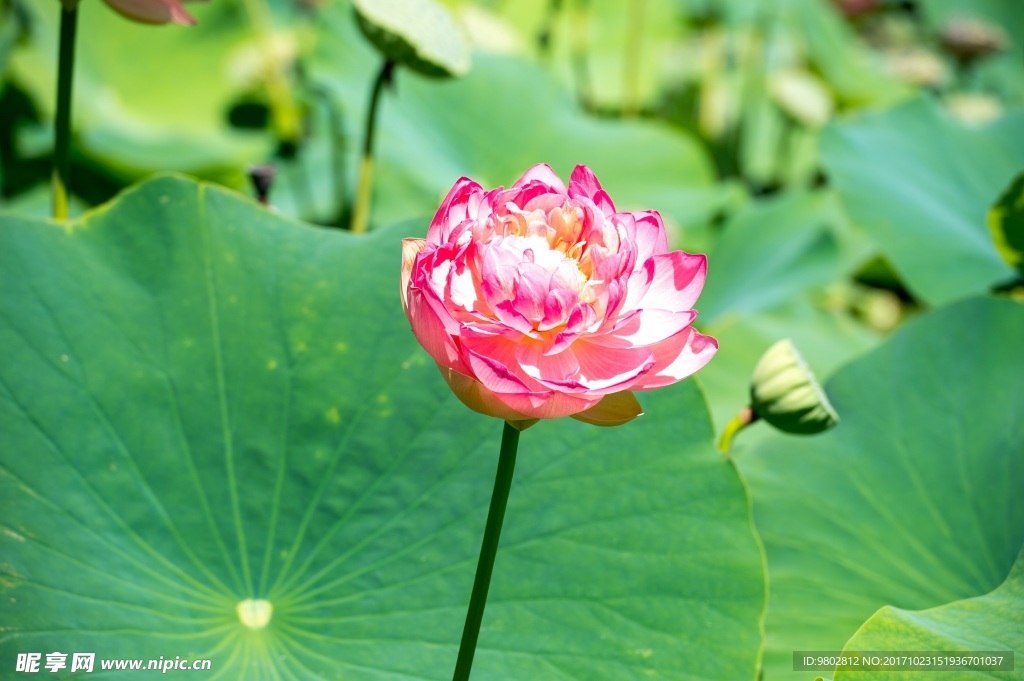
(986,623)
(770,262)
(913,499)
(921,185)
(149,98)
(505,115)
(202,402)
(463,130)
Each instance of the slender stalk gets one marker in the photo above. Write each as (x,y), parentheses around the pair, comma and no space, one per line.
(488,550)
(338,144)
(581,54)
(548,28)
(65,77)
(631,62)
(361,213)
(738,423)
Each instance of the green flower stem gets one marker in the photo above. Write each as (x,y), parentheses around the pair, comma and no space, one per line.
(65,77)
(488,550)
(631,63)
(364,193)
(738,423)
(547,30)
(581,54)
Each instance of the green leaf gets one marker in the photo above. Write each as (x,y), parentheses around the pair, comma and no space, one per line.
(986,623)
(771,251)
(202,403)
(1006,222)
(920,185)
(430,136)
(913,499)
(420,34)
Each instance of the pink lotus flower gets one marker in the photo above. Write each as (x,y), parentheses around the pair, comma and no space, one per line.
(154,11)
(541,302)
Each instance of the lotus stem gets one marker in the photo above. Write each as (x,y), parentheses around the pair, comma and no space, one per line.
(364,194)
(580,54)
(488,551)
(632,58)
(65,78)
(738,423)
(554,9)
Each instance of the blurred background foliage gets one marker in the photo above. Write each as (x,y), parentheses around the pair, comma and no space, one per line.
(732,91)
(712,111)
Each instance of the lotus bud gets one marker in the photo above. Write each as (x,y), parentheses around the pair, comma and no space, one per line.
(784,392)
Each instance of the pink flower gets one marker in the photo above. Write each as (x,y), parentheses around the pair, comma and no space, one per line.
(541,302)
(154,11)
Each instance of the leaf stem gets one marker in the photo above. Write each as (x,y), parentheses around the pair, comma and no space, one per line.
(364,193)
(738,423)
(488,550)
(581,54)
(547,29)
(631,62)
(65,77)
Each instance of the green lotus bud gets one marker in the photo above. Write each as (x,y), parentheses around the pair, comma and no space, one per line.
(784,392)
(420,34)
